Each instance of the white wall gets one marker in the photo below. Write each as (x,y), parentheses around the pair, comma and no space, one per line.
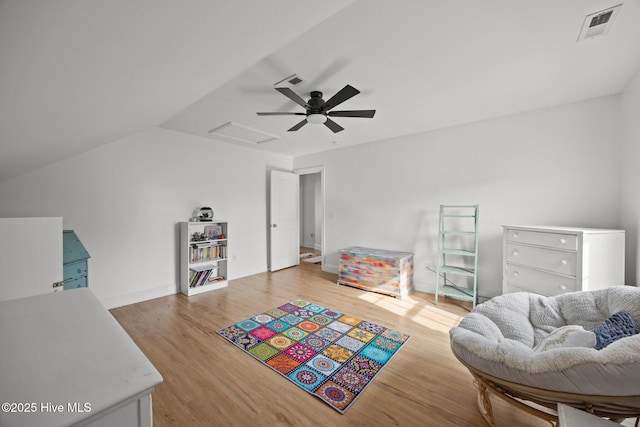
(311,211)
(318,210)
(555,166)
(125,200)
(307,211)
(630,180)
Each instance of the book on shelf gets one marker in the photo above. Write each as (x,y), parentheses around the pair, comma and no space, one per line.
(202,277)
(210,252)
(201,244)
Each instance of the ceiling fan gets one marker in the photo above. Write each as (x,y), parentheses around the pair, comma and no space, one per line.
(317,109)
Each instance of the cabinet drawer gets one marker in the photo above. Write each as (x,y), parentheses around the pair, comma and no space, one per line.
(552,240)
(563,262)
(74,270)
(540,282)
(80,282)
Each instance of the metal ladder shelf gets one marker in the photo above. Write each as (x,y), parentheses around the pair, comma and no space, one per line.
(458,252)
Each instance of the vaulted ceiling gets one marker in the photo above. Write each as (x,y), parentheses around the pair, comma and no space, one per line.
(77,74)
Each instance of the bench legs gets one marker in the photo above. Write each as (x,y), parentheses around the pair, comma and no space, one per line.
(486,409)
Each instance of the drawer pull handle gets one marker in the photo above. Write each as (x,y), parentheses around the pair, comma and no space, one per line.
(515,234)
(563,287)
(563,241)
(515,252)
(564,262)
(515,274)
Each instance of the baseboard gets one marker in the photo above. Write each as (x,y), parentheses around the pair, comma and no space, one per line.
(307,244)
(428,288)
(132,298)
(330,268)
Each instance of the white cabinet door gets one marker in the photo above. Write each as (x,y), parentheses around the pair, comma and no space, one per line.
(284,220)
(30,256)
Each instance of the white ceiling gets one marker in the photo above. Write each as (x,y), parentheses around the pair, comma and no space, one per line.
(77,74)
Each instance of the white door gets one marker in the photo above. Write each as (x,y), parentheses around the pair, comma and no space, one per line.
(30,256)
(284,225)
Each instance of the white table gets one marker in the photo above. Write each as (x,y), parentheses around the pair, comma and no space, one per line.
(64,360)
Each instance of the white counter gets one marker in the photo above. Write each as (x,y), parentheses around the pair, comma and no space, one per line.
(67,361)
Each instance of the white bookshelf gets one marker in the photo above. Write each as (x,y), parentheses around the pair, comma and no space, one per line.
(203,256)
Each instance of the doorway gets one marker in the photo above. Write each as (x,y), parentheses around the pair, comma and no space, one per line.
(312,215)
(284,220)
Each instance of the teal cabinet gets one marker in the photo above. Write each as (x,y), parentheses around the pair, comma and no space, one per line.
(75,271)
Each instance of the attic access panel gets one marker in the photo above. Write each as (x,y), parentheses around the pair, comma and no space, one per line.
(241,134)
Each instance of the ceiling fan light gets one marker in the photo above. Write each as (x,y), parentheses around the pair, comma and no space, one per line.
(316,119)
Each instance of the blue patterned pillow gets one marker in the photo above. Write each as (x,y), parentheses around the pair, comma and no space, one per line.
(617,326)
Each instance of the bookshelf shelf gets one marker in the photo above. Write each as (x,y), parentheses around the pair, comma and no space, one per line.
(203,256)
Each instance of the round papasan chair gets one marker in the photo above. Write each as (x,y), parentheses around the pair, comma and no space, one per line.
(535,352)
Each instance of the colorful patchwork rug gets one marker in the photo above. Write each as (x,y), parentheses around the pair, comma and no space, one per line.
(327,353)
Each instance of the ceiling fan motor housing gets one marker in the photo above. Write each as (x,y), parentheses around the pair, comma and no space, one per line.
(315,103)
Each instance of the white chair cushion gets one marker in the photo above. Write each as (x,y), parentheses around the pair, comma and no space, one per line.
(499,337)
(567,336)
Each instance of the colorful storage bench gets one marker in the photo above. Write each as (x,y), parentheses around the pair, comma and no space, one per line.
(376,270)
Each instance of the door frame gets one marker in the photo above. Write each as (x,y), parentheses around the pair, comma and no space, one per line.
(308,171)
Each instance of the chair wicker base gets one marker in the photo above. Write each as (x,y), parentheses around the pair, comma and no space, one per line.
(543,403)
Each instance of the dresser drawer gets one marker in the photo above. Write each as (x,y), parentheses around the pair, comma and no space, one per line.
(552,240)
(73,270)
(538,281)
(563,262)
(79,282)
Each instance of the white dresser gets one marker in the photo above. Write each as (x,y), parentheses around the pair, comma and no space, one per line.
(67,361)
(555,260)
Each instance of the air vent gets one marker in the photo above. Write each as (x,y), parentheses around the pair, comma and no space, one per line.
(599,23)
(290,81)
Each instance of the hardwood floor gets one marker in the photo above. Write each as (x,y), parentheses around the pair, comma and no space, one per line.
(312,251)
(209,382)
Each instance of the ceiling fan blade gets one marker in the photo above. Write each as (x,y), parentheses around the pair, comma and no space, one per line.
(328,72)
(298,126)
(333,125)
(353,113)
(345,93)
(281,114)
(292,96)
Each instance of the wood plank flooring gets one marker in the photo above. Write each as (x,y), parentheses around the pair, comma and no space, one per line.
(209,382)
(312,251)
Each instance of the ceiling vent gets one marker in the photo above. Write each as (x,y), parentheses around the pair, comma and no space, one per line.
(599,23)
(290,81)
(241,134)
